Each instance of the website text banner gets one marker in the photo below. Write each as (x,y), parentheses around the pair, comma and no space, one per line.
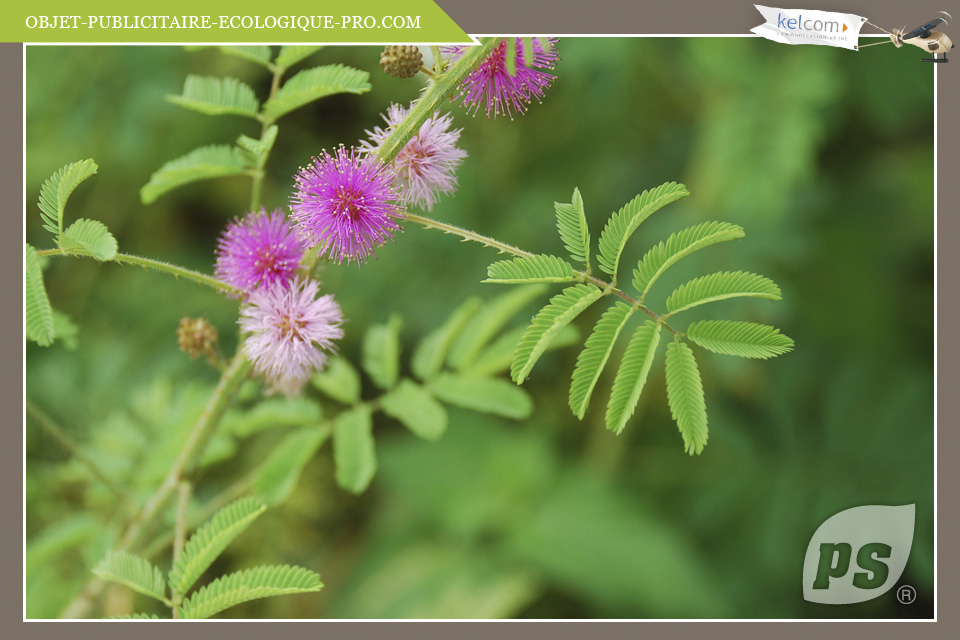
(801,26)
(182,21)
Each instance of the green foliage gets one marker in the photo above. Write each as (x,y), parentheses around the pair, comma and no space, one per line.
(271,414)
(250,584)
(561,310)
(542,268)
(381,352)
(89,238)
(685,396)
(572,224)
(596,352)
(258,149)
(209,541)
(134,572)
(413,405)
(487,395)
(339,381)
(57,189)
(353,449)
(313,84)
(205,163)
(623,223)
(217,96)
(277,477)
(721,286)
(291,54)
(632,375)
(430,353)
(744,339)
(258,53)
(38,315)
(486,323)
(138,616)
(65,330)
(679,245)
(497,357)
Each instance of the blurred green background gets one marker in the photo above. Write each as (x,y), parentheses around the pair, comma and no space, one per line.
(823,155)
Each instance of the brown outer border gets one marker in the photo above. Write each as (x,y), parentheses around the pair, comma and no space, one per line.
(521,16)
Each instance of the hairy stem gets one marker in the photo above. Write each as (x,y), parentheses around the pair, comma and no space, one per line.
(73,447)
(266,123)
(502,247)
(156,265)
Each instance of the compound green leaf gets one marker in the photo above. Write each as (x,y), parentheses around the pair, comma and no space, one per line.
(210,539)
(89,238)
(542,268)
(430,353)
(678,246)
(572,225)
(258,53)
(250,584)
(353,449)
(721,286)
(486,395)
(596,352)
(291,54)
(497,358)
(134,572)
(623,223)
(57,189)
(277,477)
(205,163)
(485,324)
(685,396)
(744,339)
(313,84)
(38,314)
(381,352)
(339,381)
(217,96)
(632,376)
(551,319)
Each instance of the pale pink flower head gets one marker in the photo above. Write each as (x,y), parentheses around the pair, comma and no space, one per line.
(500,93)
(345,205)
(258,250)
(426,165)
(290,332)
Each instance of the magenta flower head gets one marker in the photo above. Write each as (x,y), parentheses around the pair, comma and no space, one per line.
(290,330)
(491,85)
(425,166)
(345,204)
(258,250)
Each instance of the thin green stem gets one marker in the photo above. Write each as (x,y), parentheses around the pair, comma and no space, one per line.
(266,123)
(179,537)
(73,447)
(156,265)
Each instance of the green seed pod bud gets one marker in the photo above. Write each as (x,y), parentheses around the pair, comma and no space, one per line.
(401,60)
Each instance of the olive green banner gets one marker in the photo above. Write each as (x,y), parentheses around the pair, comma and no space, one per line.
(182,21)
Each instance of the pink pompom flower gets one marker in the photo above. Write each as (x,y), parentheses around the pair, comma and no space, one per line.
(290,332)
(426,165)
(258,250)
(345,205)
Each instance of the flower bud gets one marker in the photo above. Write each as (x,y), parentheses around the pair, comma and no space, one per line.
(197,337)
(401,60)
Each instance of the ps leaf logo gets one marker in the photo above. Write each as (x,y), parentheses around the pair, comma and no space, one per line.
(858,554)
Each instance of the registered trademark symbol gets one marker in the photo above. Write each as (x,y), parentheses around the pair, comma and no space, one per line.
(906,594)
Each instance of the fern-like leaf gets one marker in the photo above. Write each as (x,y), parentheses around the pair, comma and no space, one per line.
(205,163)
(313,84)
(596,352)
(258,53)
(498,357)
(250,584)
(217,96)
(209,541)
(487,322)
(561,310)
(89,238)
(572,225)
(721,286)
(291,54)
(632,376)
(542,268)
(623,223)
(57,189)
(38,314)
(678,246)
(744,339)
(134,572)
(137,616)
(428,357)
(685,396)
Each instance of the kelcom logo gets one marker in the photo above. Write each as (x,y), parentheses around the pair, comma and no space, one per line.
(799,24)
(858,554)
